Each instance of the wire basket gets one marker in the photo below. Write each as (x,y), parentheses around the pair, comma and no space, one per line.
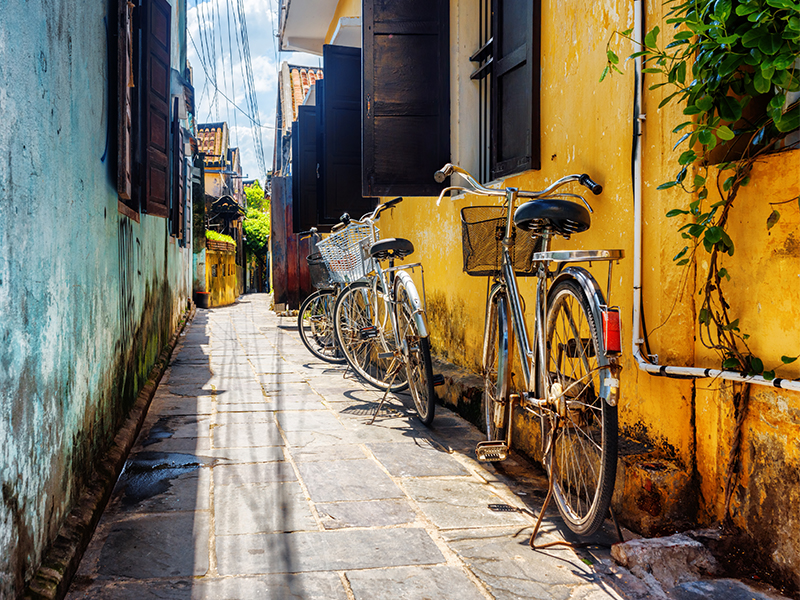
(482,232)
(318,269)
(346,252)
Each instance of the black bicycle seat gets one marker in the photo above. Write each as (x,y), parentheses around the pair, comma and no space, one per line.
(560,216)
(391,248)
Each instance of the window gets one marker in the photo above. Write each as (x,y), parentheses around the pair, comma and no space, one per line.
(339,137)
(406,98)
(508,71)
(304,167)
(143,106)
(178,177)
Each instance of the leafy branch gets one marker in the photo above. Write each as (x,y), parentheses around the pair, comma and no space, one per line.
(733,66)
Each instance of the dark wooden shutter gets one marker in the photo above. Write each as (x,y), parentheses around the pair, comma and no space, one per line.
(341,136)
(125,82)
(406,102)
(304,169)
(178,170)
(156,118)
(515,86)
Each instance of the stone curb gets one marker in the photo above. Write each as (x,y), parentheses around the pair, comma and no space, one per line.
(53,578)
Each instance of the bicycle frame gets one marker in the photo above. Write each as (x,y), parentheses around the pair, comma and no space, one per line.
(531,353)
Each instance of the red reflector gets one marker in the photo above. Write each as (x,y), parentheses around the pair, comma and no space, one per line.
(611,330)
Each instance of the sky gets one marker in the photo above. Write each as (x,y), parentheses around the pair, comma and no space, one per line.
(214,46)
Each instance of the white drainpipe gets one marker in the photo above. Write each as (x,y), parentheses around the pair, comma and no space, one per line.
(656,369)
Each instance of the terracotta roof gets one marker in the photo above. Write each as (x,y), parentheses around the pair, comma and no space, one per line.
(297,82)
(212,138)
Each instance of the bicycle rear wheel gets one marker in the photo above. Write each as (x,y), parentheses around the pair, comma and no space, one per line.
(416,350)
(315,324)
(496,366)
(364,332)
(583,459)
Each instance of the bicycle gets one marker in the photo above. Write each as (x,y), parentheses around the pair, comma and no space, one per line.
(315,317)
(571,367)
(379,318)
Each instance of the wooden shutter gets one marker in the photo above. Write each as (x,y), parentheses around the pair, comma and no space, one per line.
(156,114)
(406,102)
(515,86)
(341,136)
(125,82)
(304,169)
(178,170)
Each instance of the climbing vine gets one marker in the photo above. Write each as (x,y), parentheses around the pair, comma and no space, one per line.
(733,66)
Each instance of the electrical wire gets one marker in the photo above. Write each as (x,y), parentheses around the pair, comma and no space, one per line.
(236,106)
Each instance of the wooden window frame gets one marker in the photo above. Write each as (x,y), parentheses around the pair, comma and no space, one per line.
(492,120)
(406,96)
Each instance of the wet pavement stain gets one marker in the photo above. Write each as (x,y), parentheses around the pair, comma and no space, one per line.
(148,474)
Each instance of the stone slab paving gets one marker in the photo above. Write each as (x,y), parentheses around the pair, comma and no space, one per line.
(256,475)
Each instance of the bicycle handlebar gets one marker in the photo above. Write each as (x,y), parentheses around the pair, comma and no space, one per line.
(380,208)
(477,188)
(306,234)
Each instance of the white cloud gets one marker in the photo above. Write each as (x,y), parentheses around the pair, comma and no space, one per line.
(208,26)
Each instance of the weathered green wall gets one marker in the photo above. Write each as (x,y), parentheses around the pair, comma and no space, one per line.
(88,297)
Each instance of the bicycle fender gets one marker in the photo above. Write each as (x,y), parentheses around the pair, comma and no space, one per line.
(419,307)
(595,296)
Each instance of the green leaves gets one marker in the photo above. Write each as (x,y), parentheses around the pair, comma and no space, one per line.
(729,109)
(772,219)
(675,212)
(731,364)
(728,65)
(724,133)
(651,37)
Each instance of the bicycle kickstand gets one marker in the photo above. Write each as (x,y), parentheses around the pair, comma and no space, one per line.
(395,371)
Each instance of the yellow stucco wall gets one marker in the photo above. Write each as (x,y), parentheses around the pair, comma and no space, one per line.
(586,127)
(222,277)
(765,294)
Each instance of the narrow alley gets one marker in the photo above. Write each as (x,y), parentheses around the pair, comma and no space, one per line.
(256,475)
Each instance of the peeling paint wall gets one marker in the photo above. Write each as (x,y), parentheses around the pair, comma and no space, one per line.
(88,297)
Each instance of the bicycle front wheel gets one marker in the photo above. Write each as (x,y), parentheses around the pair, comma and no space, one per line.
(416,350)
(583,457)
(364,332)
(496,366)
(315,324)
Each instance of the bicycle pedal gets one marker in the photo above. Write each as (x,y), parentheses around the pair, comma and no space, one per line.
(438,379)
(503,508)
(491,451)
(369,332)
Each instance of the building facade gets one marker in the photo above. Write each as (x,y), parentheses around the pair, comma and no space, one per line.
(519,86)
(95,243)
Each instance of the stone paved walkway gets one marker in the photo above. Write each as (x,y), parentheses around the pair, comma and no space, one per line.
(257,476)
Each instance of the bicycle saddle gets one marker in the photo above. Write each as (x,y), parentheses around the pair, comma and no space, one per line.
(391,248)
(560,216)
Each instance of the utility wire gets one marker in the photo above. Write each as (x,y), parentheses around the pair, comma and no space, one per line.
(236,106)
(230,62)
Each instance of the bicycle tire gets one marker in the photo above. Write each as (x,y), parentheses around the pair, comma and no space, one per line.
(583,459)
(416,351)
(496,365)
(315,325)
(353,316)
